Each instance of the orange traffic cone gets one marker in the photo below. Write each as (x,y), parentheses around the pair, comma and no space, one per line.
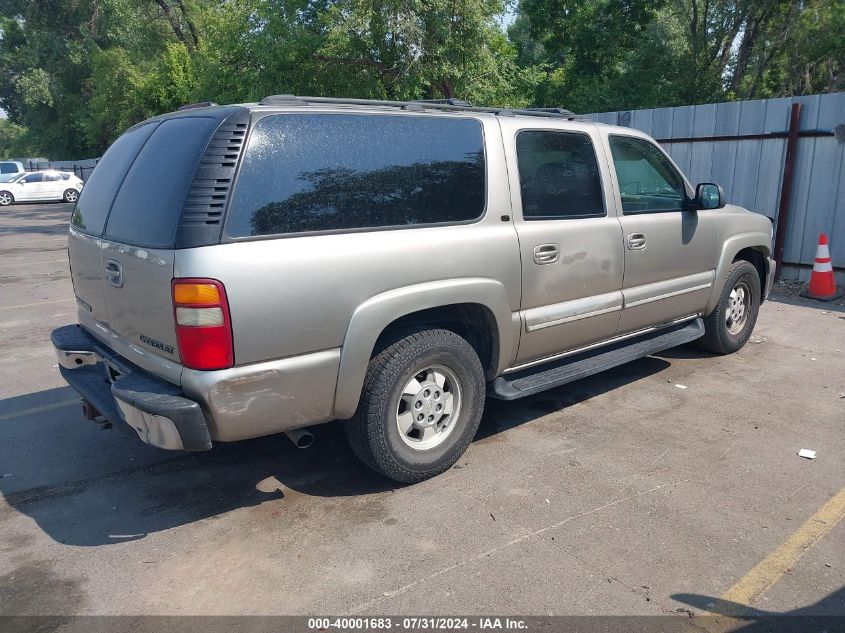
(822,284)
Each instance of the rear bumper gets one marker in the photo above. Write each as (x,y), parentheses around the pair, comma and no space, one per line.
(122,392)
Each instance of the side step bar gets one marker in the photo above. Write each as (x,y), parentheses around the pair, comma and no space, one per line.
(557,373)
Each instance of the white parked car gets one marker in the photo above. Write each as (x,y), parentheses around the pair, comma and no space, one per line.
(41,185)
(11,167)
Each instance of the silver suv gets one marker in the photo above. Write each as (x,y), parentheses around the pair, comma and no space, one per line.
(251,269)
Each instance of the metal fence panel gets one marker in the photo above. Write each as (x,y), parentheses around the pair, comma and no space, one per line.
(751,170)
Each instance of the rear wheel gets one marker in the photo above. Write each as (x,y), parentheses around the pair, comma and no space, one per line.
(420,407)
(729,326)
(6,198)
(71,195)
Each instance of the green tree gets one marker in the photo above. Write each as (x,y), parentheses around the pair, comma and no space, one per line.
(605,55)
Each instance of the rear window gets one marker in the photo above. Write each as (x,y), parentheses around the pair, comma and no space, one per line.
(95,200)
(325,172)
(138,188)
(147,208)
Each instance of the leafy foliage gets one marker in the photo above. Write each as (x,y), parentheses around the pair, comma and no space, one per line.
(75,73)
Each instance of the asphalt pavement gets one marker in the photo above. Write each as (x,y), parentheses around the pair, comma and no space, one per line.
(661,487)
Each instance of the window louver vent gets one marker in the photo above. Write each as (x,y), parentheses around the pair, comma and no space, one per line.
(202,214)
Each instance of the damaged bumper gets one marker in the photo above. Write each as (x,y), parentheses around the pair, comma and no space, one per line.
(122,392)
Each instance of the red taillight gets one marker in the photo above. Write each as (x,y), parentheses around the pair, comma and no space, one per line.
(203,327)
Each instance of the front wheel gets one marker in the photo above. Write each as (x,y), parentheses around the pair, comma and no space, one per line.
(420,407)
(729,326)
(71,195)
(6,198)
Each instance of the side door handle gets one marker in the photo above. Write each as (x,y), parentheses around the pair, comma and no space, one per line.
(636,241)
(546,254)
(114,273)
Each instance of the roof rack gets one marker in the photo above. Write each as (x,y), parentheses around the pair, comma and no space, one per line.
(454,102)
(449,105)
(558,110)
(191,106)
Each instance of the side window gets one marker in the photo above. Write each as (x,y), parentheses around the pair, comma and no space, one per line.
(558,175)
(325,172)
(52,177)
(648,182)
(33,178)
(8,168)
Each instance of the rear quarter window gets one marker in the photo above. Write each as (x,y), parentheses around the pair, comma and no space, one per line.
(330,172)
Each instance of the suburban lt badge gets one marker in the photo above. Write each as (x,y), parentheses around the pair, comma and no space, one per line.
(157,344)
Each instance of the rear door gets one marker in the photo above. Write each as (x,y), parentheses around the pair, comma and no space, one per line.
(88,222)
(570,245)
(136,249)
(670,252)
(54,186)
(141,230)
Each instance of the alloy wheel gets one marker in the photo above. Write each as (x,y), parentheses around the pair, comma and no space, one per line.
(428,407)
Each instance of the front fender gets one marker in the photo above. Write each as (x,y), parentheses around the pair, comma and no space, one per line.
(731,246)
(372,317)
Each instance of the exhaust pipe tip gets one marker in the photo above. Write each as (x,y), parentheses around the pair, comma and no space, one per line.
(301,438)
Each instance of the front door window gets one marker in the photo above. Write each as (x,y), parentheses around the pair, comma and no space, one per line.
(648,182)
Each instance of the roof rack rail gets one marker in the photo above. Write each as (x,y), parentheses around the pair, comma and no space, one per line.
(201,104)
(449,105)
(558,110)
(454,102)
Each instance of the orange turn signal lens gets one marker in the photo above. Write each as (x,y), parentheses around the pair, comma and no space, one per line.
(196,294)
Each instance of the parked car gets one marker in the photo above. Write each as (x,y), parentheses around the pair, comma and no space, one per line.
(245,270)
(41,185)
(11,167)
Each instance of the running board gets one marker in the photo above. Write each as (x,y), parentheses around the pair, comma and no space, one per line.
(557,373)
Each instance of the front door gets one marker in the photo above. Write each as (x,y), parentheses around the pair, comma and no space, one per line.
(570,247)
(31,187)
(670,252)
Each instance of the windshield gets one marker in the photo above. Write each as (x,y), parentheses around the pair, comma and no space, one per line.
(9,177)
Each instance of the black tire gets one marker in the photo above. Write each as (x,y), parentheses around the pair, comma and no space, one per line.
(718,337)
(6,198)
(373,432)
(70,193)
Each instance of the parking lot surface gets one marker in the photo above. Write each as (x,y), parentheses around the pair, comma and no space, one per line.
(656,488)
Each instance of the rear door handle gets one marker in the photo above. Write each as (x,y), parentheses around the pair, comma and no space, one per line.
(545,254)
(114,273)
(636,241)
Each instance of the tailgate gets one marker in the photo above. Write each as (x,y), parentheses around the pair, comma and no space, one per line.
(122,274)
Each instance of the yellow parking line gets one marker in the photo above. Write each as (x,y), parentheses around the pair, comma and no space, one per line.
(768,571)
(41,409)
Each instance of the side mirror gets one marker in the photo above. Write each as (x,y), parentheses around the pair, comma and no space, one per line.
(709,196)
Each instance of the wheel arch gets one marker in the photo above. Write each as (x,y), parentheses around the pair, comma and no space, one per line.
(476,308)
(753,247)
